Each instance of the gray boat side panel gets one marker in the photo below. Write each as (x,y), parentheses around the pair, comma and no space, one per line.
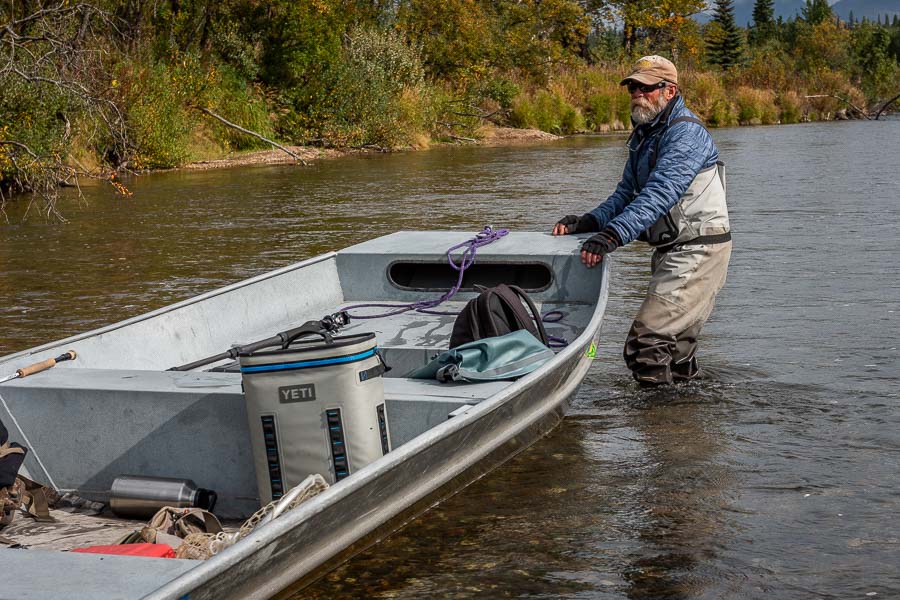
(363,267)
(42,575)
(414,406)
(204,326)
(111,423)
(409,417)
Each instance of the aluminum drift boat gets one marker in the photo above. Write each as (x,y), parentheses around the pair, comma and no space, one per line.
(118,410)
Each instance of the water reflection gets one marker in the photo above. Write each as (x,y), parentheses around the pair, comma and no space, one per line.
(686,491)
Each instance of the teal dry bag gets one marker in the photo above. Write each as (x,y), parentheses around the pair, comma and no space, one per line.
(496,358)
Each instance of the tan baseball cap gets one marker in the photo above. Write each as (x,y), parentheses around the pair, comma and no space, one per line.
(652,69)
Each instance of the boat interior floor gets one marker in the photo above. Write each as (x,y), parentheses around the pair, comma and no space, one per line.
(70,530)
(411,339)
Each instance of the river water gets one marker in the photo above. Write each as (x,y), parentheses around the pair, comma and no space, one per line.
(777,476)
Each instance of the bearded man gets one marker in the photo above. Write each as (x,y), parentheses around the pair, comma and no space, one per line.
(672,195)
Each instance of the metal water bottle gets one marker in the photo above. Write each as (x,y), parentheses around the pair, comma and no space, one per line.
(138,497)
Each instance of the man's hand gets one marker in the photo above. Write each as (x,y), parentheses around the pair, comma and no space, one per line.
(573,224)
(597,246)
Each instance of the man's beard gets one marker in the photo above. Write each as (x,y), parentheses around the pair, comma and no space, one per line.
(644,111)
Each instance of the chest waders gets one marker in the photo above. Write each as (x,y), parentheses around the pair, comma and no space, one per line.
(692,245)
(701,214)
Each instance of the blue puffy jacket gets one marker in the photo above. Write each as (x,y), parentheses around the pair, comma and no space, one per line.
(644,195)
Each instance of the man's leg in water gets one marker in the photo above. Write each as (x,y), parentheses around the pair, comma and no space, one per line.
(662,344)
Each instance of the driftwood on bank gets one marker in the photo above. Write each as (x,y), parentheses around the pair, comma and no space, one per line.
(251,133)
(858,110)
(885,105)
(844,100)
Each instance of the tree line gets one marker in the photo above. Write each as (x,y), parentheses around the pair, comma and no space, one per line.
(92,88)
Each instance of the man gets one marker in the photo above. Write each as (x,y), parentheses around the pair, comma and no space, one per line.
(672,195)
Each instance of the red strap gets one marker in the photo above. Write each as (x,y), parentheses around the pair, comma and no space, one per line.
(151,550)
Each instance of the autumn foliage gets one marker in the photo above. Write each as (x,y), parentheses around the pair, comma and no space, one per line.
(121,85)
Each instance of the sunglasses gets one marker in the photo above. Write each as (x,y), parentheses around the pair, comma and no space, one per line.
(646,89)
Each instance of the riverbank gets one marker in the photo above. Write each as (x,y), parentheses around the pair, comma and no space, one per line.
(488,136)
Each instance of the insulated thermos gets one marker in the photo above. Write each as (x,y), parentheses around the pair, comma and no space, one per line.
(137,497)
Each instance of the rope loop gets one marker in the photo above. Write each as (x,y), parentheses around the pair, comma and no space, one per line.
(486,236)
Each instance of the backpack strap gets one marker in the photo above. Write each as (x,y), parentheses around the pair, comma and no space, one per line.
(519,294)
(6,449)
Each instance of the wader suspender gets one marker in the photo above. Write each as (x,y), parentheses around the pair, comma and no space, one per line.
(719,238)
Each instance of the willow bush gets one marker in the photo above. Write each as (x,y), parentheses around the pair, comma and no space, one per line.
(237,100)
(790,107)
(547,110)
(370,101)
(755,106)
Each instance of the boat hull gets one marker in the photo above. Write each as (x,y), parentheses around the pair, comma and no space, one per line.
(317,536)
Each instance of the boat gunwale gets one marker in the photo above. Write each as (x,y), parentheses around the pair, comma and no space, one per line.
(262,538)
(169,308)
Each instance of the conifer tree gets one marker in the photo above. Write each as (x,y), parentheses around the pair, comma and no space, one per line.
(724,44)
(816,11)
(763,21)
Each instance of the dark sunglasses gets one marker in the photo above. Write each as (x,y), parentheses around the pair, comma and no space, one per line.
(646,89)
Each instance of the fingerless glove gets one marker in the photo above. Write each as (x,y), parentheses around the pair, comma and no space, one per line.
(602,243)
(583,224)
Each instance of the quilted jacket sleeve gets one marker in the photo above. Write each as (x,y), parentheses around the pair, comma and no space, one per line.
(619,199)
(685,149)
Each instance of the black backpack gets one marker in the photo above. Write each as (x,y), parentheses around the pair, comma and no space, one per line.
(497,311)
(12,455)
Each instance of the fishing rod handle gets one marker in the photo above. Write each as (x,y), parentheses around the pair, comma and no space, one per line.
(45,364)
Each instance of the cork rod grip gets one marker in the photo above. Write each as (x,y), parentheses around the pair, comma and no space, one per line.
(45,364)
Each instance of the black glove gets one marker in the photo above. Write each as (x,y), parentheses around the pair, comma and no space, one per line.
(582,224)
(603,243)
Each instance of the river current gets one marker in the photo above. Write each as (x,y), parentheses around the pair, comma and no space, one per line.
(776,476)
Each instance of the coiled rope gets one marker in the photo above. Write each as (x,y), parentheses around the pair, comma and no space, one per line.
(470,248)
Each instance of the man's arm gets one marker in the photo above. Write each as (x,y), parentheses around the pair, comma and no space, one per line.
(683,153)
(618,200)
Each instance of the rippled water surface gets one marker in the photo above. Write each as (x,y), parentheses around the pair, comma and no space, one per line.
(778,476)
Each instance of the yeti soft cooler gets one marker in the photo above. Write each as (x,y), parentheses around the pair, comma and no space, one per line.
(316,406)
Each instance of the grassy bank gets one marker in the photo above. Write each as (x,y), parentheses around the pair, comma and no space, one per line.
(99,87)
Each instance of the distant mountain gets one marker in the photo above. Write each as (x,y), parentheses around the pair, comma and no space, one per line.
(788,9)
(871,9)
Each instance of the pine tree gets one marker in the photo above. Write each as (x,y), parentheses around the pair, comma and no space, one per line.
(763,21)
(816,11)
(725,43)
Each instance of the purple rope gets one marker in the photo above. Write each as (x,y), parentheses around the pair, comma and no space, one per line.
(471,246)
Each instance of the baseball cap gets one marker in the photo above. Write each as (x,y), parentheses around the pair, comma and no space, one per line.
(652,69)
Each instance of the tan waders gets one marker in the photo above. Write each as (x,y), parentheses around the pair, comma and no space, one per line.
(684,281)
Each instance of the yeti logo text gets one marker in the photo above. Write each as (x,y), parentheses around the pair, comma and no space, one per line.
(297,393)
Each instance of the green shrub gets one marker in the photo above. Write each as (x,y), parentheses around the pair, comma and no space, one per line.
(158,120)
(33,115)
(623,110)
(554,114)
(523,113)
(233,98)
(756,107)
(499,89)
(705,95)
(790,107)
(600,110)
(366,99)
(720,114)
